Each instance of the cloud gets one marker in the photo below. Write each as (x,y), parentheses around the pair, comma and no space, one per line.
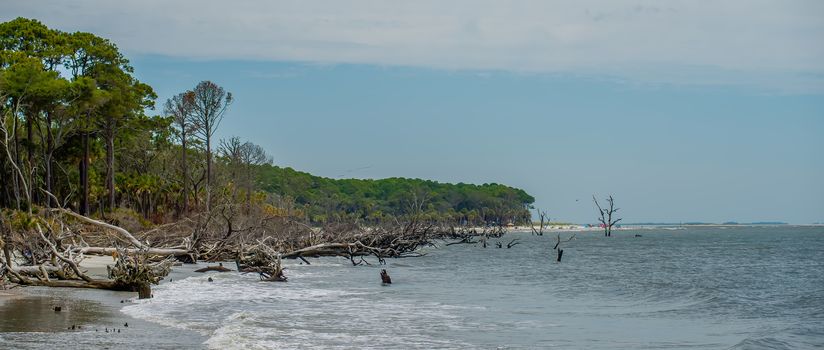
(761,42)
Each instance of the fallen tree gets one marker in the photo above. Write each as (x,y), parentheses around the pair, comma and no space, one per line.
(52,247)
(52,250)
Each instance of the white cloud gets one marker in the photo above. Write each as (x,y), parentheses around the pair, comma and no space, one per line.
(763,42)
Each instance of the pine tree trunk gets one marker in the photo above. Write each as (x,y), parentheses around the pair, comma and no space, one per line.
(30,159)
(48,160)
(110,169)
(84,176)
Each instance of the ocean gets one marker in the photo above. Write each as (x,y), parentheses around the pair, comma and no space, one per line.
(695,288)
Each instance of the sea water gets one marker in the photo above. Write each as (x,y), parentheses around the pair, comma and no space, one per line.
(695,287)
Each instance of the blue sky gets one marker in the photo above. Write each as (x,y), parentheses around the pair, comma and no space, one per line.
(715,123)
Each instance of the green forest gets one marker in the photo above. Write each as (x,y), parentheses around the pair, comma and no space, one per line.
(79,130)
(374,200)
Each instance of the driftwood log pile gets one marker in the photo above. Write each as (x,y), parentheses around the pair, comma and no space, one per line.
(52,252)
(47,249)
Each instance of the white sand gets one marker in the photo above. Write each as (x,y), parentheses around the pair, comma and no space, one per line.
(95,265)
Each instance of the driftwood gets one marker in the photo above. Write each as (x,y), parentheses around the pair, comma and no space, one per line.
(262,260)
(36,270)
(55,258)
(123,233)
(558,251)
(513,243)
(128,274)
(255,238)
(465,240)
(147,251)
(467,236)
(218,268)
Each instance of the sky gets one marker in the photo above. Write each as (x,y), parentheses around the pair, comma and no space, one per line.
(683,110)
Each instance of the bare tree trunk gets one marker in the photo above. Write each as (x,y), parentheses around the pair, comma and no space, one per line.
(609,220)
(10,142)
(84,175)
(30,159)
(83,167)
(110,166)
(560,252)
(208,172)
(48,160)
(143,251)
(249,186)
(185,176)
(16,190)
(5,200)
(6,242)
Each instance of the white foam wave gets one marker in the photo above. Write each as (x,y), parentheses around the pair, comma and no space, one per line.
(237,311)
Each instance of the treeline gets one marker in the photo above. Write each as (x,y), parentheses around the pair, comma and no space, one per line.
(75,132)
(327,199)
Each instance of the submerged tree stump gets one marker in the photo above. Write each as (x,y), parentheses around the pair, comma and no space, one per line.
(144,291)
(385,279)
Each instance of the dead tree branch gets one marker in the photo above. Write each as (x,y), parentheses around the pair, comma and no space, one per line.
(605,215)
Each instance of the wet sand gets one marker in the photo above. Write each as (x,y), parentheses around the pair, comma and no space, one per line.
(28,319)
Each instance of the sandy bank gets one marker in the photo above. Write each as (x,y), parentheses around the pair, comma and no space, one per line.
(28,319)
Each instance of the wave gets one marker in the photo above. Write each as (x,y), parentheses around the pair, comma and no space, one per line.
(239,312)
(810,336)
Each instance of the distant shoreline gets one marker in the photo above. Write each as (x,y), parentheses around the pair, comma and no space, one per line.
(756,224)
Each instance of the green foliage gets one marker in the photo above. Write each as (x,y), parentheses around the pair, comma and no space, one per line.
(373,200)
(20,221)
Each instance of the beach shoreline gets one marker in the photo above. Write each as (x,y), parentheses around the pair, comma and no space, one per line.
(88,318)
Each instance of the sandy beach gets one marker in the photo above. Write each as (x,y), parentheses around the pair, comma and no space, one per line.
(28,319)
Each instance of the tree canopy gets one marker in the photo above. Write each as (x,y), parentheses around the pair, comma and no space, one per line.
(369,199)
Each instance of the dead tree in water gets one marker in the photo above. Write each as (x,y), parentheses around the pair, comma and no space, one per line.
(217,268)
(512,243)
(558,251)
(606,215)
(467,236)
(540,230)
(264,261)
(385,279)
(467,239)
